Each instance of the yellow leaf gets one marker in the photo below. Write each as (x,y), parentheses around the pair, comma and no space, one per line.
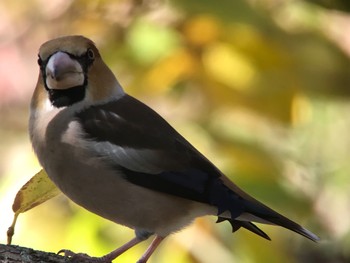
(228,66)
(166,72)
(202,30)
(35,192)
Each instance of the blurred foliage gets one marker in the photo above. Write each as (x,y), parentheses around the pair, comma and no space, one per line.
(260,87)
(342,5)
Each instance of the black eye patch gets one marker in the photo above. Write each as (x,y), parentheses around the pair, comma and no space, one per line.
(86,59)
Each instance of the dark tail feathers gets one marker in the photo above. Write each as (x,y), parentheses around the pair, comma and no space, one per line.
(236,224)
(260,210)
(251,206)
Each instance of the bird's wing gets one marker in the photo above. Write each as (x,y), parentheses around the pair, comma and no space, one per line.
(134,139)
(138,142)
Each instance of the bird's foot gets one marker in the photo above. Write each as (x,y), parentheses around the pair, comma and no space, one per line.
(82,257)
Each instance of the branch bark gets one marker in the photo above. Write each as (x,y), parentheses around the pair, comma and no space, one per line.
(17,254)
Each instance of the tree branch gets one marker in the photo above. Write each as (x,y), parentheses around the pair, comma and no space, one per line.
(17,254)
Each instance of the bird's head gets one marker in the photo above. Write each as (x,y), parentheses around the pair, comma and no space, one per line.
(71,71)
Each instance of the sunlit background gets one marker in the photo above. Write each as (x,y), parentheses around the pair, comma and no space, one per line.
(261,87)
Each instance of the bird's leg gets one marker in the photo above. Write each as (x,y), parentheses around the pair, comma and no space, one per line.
(115,253)
(141,235)
(155,243)
(106,258)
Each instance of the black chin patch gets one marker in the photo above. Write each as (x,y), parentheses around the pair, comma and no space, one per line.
(62,98)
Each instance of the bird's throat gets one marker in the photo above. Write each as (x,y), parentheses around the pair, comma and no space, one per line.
(62,98)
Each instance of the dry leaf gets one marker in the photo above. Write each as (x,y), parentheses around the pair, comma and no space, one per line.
(35,192)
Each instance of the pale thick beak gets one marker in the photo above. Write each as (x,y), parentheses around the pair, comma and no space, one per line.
(63,72)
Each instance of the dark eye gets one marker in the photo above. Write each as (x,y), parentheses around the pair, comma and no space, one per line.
(90,54)
(40,62)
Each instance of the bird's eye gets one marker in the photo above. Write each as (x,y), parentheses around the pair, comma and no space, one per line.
(90,54)
(40,62)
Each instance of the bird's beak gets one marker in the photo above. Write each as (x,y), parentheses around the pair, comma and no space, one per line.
(63,72)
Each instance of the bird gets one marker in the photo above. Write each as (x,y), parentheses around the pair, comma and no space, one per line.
(116,157)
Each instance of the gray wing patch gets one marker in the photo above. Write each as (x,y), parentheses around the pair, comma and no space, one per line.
(139,160)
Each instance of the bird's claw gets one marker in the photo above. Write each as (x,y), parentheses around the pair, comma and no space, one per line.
(66,253)
(82,257)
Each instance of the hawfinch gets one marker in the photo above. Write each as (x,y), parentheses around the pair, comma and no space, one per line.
(116,157)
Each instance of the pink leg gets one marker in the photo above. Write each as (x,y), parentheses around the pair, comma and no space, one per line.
(155,243)
(106,258)
(115,253)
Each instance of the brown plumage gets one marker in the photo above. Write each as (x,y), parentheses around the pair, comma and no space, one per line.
(118,158)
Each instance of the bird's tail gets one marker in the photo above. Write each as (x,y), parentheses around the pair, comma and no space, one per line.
(275,220)
(270,216)
(252,210)
(237,224)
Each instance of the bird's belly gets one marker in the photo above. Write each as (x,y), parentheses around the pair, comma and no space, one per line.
(104,191)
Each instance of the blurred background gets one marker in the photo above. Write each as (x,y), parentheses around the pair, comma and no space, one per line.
(261,87)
